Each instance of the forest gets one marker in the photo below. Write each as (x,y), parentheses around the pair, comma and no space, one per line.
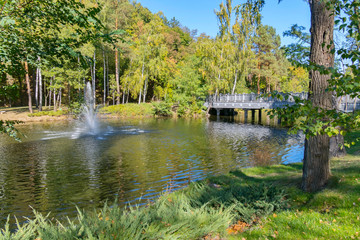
(49,50)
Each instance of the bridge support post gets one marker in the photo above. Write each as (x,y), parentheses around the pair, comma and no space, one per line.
(217,112)
(245,115)
(259,116)
(252,115)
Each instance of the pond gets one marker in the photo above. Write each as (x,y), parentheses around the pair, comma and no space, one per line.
(56,169)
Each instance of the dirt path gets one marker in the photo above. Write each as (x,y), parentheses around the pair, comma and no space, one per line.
(22,114)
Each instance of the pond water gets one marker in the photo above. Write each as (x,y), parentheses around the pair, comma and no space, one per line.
(56,168)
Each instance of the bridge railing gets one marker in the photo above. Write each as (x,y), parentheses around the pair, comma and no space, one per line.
(344,103)
(252,97)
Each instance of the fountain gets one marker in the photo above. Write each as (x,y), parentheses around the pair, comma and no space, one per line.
(88,123)
(88,115)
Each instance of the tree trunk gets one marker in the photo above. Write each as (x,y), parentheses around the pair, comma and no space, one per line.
(235,82)
(28,87)
(54,100)
(107,77)
(50,91)
(59,98)
(140,96)
(337,148)
(316,169)
(258,80)
(40,90)
(45,94)
(142,77)
(37,88)
(145,89)
(104,100)
(117,69)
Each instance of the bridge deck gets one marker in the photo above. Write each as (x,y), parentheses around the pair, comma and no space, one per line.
(255,101)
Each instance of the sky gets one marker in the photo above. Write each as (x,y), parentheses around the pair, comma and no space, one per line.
(199,14)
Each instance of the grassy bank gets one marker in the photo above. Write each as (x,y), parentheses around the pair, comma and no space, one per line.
(128,110)
(254,203)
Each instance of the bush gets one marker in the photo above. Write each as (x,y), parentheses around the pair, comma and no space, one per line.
(75,108)
(162,109)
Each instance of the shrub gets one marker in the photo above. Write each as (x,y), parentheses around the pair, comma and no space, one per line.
(162,109)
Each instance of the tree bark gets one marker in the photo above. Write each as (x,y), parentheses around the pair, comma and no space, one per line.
(28,87)
(104,100)
(117,69)
(235,81)
(40,90)
(37,88)
(316,168)
(337,148)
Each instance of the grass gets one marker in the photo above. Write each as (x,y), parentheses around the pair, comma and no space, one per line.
(48,113)
(331,213)
(129,110)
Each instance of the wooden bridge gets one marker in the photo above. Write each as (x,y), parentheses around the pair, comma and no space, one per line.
(226,103)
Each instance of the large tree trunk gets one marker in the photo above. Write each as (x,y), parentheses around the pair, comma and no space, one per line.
(28,87)
(316,169)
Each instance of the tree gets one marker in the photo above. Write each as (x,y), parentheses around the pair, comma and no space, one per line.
(316,168)
(320,120)
(270,62)
(31,29)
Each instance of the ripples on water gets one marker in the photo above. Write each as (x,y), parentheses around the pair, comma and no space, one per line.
(59,165)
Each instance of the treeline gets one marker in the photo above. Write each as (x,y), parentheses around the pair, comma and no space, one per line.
(137,56)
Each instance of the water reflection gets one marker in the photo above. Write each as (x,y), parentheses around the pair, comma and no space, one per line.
(131,162)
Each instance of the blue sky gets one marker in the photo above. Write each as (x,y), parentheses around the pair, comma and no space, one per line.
(199,14)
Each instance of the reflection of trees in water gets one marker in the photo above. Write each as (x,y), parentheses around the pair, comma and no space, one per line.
(253,145)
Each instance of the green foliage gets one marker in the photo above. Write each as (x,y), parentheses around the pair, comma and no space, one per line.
(75,108)
(162,109)
(315,120)
(32,29)
(298,52)
(129,110)
(8,128)
(10,93)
